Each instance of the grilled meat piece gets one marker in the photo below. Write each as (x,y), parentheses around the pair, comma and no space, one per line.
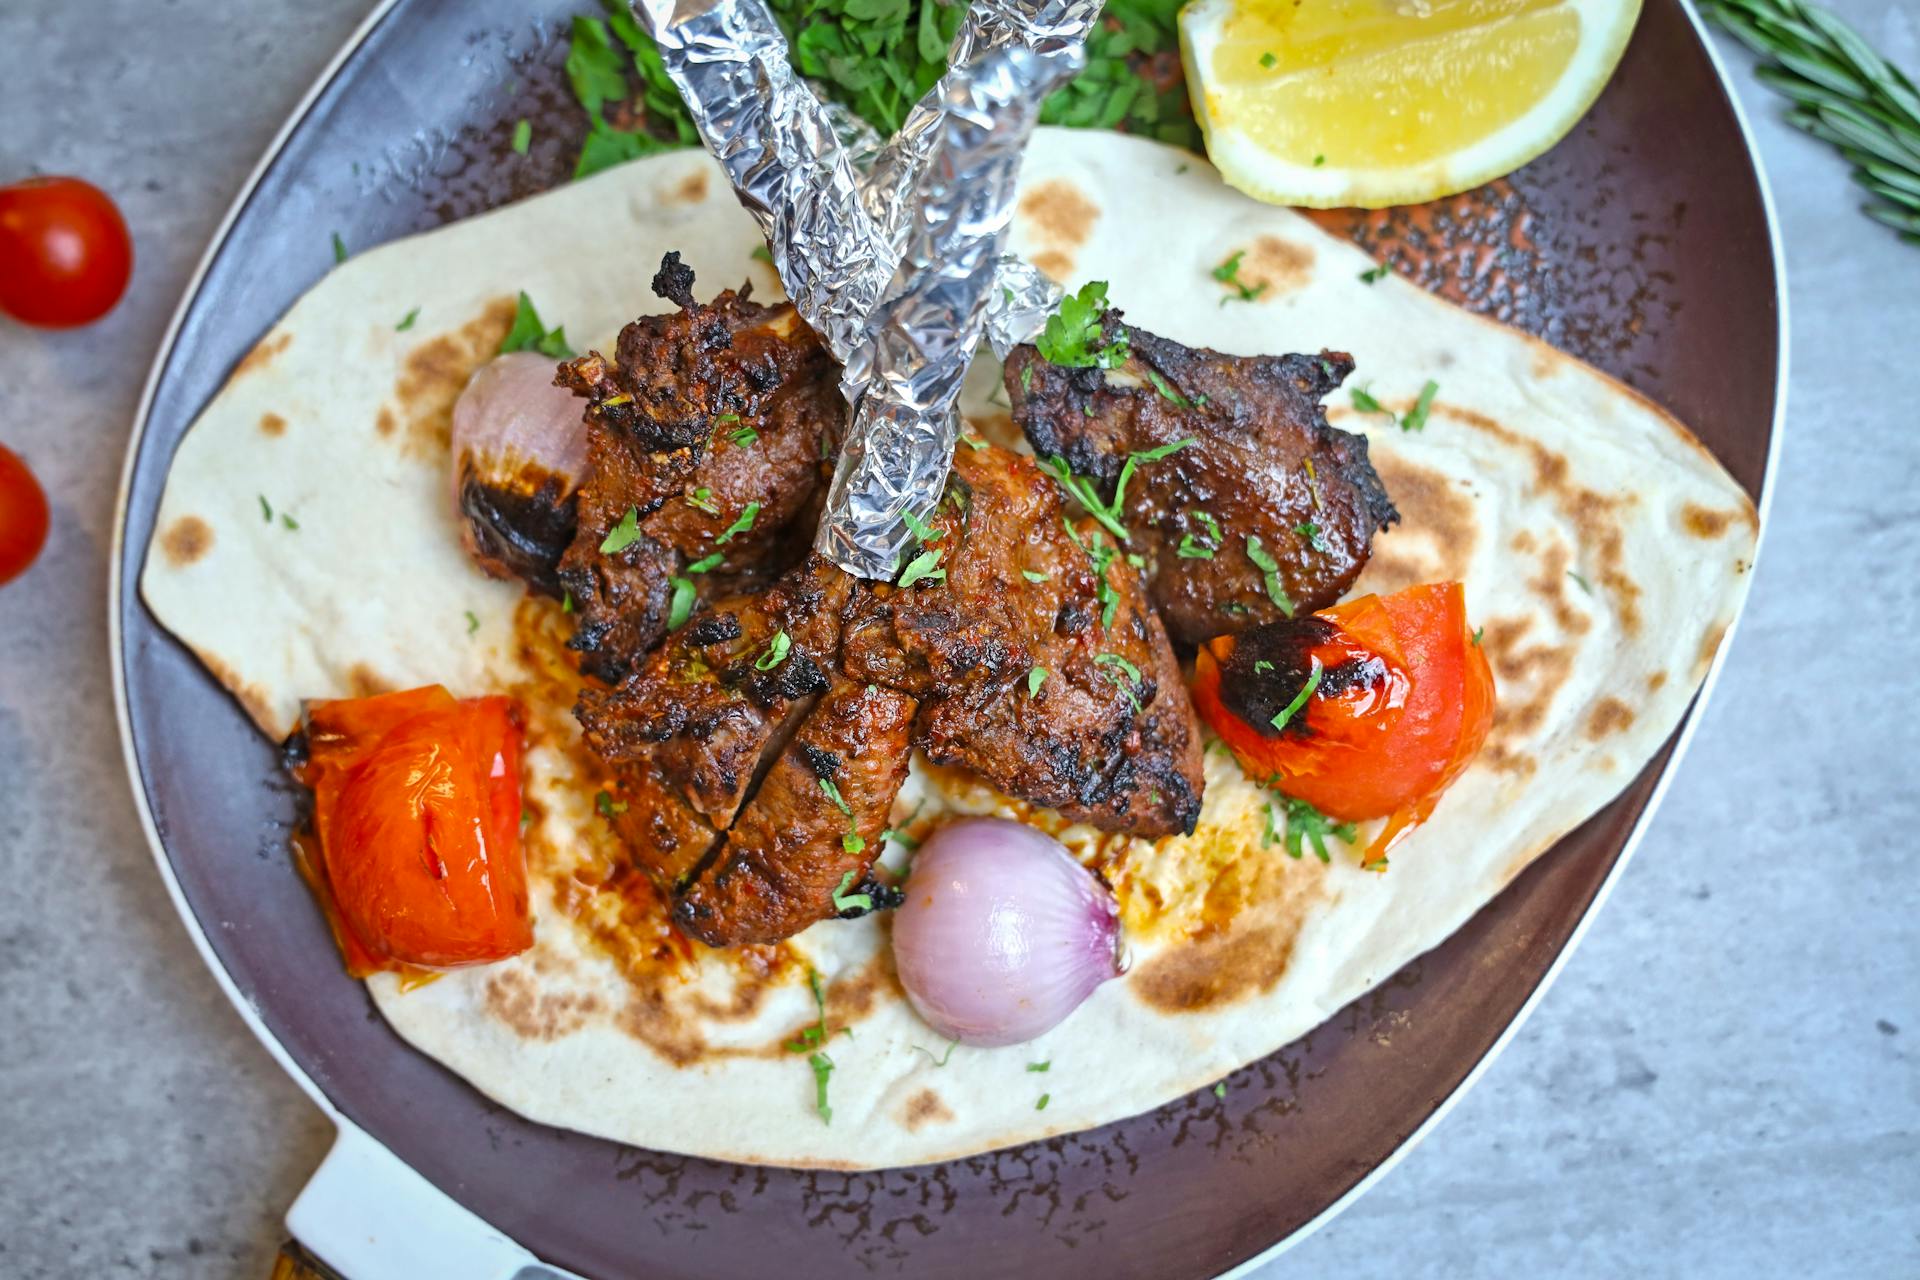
(714,414)
(687,733)
(1265,465)
(1104,731)
(816,818)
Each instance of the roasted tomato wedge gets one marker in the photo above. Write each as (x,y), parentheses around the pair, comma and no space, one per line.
(415,847)
(1369,709)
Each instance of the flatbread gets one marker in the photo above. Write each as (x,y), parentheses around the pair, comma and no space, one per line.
(1603,550)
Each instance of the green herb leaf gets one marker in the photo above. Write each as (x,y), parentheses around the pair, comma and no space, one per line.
(1286,714)
(1372,274)
(776,652)
(1316,540)
(708,563)
(528,334)
(522,135)
(1125,676)
(1228,273)
(1041,1105)
(973,442)
(680,607)
(289,522)
(1033,576)
(1261,666)
(1072,336)
(701,499)
(1267,59)
(473,622)
(940,1061)
(266,510)
(1584,584)
(844,901)
(566,602)
(1416,417)
(744,436)
(1081,490)
(1220,1090)
(822,1072)
(595,69)
(606,147)
(1041,1066)
(920,528)
(624,534)
(339,249)
(833,794)
(763,254)
(1165,389)
(1270,570)
(1477,633)
(1308,824)
(406,321)
(608,806)
(742,523)
(1365,403)
(921,568)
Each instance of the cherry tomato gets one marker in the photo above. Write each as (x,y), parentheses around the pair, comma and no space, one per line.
(1369,709)
(416,828)
(65,255)
(23,516)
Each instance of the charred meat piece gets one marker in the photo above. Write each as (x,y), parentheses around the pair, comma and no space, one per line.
(706,451)
(1268,512)
(1036,659)
(816,818)
(687,733)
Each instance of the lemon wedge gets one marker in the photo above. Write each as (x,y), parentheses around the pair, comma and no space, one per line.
(1376,102)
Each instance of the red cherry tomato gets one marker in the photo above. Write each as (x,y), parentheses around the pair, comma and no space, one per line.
(416,829)
(65,255)
(1401,700)
(23,516)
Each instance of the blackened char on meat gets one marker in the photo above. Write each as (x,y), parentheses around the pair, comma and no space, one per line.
(1265,477)
(712,430)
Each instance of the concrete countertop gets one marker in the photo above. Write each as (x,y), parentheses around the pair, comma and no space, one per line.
(1722,1084)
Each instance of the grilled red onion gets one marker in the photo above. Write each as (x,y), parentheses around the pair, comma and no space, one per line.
(519,452)
(1002,934)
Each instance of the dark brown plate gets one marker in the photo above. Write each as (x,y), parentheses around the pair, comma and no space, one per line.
(1641,243)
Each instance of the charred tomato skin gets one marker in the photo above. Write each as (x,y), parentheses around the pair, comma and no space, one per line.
(415,847)
(1402,704)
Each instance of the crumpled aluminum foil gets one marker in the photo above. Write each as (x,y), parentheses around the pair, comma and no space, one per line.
(894,253)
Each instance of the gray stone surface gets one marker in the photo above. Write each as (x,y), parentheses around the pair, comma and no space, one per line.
(1722,1083)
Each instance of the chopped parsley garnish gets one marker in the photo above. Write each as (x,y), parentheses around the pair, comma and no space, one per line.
(680,607)
(940,1061)
(1220,1090)
(1286,714)
(1228,273)
(339,249)
(289,522)
(1166,390)
(742,523)
(920,528)
(1041,1066)
(844,901)
(566,602)
(1416,417)
(1102,556)
(1124,675)
(1082,490)
(529,334)
(1365,403)
(266,509)
(701,499)
(1072,334)
(1267,59)
(1036,677)
(1026,377)
(1032,575)
(1584,584)
(1318,161)
(1372,274)
(1261,665)
(624,534)
(1041,1105)
(523,135)
(708,563)
(607,805)
(1192,548)
(822,1072)
(406,321)
(1308,824)
(1316,540)
(776,653)
(763,254)
(1477,633)
(833,794)
(852,842)
(922,568)
(1270,569)
(473,622)
(973,442)
(743,436)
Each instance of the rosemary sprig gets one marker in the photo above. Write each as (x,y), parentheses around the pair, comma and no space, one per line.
(1843,93)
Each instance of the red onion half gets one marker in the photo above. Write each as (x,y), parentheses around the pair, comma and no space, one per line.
(519,452)
(1002,934)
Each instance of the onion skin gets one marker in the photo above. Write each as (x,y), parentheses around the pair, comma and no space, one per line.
(519,452)
(1002,934)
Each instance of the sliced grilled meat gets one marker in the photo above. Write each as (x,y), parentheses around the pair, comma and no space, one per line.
(712,432)
(816,818)
(1037,661)
(1266,477)
(686,735)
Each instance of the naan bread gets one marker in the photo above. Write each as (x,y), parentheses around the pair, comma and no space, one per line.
(1603,549)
